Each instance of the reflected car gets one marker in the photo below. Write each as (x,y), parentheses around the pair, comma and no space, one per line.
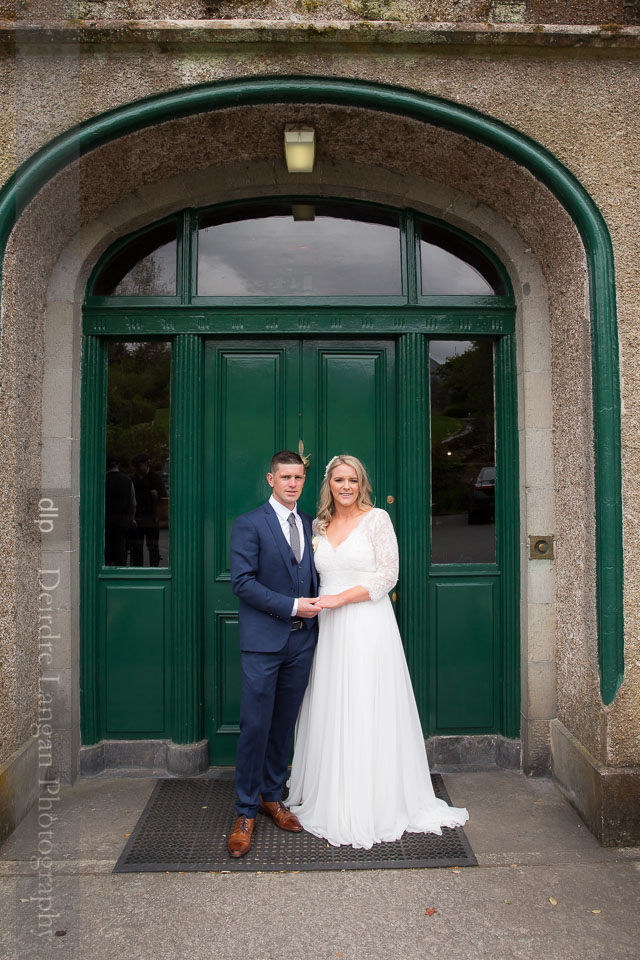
(482,500)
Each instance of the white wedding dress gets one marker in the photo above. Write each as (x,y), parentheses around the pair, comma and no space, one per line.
(360,773)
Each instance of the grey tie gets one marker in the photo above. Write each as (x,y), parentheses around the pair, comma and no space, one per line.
(295,536)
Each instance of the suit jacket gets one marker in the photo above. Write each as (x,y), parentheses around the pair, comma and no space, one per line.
(264,579)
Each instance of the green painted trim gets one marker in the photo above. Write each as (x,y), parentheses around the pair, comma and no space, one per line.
(92,459)
(383,321)
(414,456)
(507,527)
(74,143)
(186,547)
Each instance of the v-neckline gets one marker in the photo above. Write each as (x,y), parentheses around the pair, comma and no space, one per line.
(337,547)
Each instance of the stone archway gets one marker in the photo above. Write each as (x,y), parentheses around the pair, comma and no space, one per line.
(84,208)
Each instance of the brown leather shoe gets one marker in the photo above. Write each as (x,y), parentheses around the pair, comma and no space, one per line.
(281,815)
(239,841)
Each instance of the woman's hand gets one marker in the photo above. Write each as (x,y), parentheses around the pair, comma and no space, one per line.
(329,601)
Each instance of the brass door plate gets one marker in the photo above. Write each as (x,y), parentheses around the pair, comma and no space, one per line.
(541,548)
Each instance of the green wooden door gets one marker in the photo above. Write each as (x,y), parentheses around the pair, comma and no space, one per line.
(262,396)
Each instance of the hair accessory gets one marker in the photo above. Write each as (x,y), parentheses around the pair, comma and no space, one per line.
(305,459)
(328,466)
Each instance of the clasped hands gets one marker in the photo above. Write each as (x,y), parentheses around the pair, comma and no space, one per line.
(309,607)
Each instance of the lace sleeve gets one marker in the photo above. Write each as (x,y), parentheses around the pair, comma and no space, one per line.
(385,547)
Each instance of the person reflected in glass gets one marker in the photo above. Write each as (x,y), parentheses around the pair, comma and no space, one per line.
(149,490)
(119,511)
(360,773)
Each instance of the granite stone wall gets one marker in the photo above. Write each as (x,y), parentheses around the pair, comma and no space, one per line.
(583,108)
(616,12)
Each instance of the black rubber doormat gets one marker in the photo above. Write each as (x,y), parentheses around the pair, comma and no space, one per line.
(185,824)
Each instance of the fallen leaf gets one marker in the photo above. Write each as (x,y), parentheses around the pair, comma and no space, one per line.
(456,870)
(553,901)
(596,911)
(507,901)
(430,911)
(127,834)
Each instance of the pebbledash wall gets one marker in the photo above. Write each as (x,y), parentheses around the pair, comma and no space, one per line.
(572,88)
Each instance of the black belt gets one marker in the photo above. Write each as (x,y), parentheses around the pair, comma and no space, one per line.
(296,625)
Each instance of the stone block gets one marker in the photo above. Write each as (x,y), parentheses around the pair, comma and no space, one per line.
(541,690)
(607,798)
(541,630)
(56,402)
(56,462)
(55,577)
(541,581)
(540,507)
(64,758)
(536,754)
(538,401)
(508,753)
(53,519)
(538,455)
(534,330)
(56,685)
(148,757)
(59,335)
(55,642)
(19,787)
(187,759)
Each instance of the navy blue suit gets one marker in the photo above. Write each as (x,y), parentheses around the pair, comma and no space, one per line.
(275,661)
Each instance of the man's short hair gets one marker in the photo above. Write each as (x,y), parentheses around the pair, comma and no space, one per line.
(284,456)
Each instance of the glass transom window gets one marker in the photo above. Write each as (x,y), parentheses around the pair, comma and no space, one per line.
(302,249)
(299,249)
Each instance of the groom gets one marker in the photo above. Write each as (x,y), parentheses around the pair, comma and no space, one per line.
(274,576)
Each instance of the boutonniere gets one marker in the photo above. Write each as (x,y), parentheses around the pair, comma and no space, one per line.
(314,543)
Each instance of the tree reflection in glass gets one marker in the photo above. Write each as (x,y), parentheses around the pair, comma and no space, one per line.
(137,478)
(463,475)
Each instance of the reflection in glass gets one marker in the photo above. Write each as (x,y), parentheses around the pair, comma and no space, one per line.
(451,265)
(137,478)
(463,474)
(146,267)
(308,250)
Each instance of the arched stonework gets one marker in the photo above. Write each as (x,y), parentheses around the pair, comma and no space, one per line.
(236,153)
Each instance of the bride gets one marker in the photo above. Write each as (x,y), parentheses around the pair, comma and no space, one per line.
(360,773)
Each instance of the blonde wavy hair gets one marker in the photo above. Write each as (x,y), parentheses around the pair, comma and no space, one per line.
(326,506)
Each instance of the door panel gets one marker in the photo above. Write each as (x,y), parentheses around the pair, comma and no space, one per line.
(134,657)
(464,616)
(349,407)
(263,396)
(251,409)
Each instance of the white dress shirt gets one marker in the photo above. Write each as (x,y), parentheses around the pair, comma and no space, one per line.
(282,513)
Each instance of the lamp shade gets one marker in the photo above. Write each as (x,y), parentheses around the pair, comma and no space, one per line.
(299,148)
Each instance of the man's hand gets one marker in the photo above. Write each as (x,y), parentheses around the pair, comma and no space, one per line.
(308,607)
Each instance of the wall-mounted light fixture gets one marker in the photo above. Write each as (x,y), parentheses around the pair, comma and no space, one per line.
(299,148)
(303,211)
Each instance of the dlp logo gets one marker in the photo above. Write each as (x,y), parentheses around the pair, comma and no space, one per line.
(48,514)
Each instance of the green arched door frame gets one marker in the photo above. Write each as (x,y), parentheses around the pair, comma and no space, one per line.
(79,140)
